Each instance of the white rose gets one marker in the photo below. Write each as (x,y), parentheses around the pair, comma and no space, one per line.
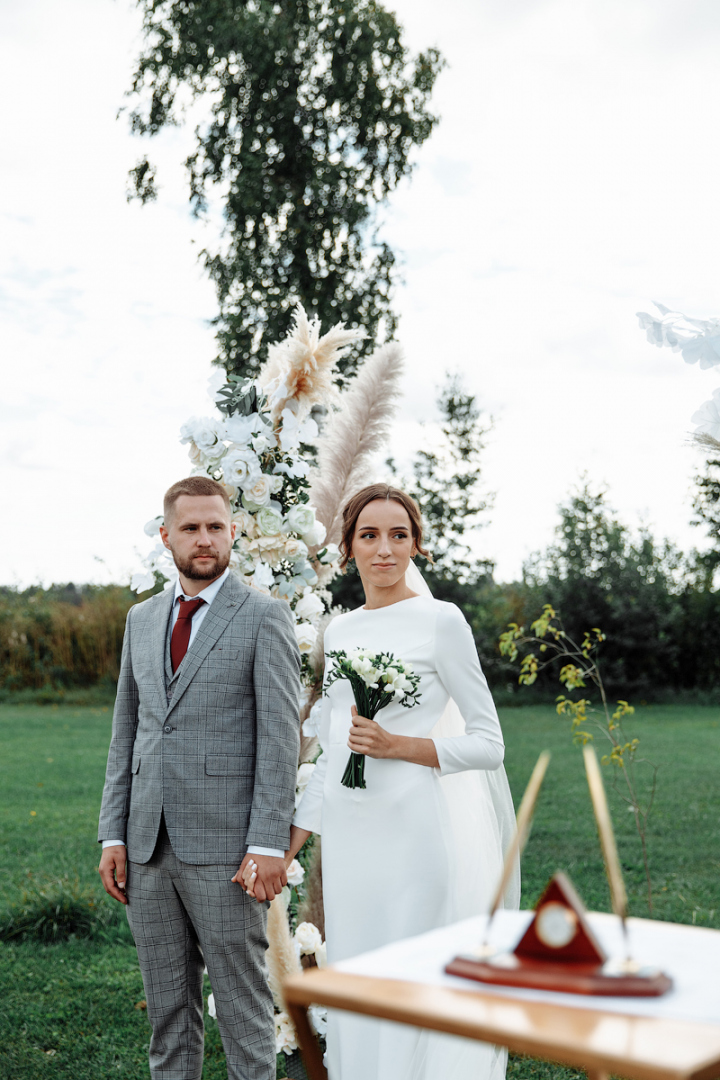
(295,549)
(247,526)
(263,578)
(241,467)
(321,959)
(300,519)
(318,1014)
(295,873)
(307,938)
(204,431)
(309,607)
(230,490)
(304,773)
(269,522)
(306,635)
(295,431)
(285,1035)
(258,490)
(315,536)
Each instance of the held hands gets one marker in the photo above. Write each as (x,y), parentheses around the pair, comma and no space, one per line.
(262,876)
(367,737)
(112,871)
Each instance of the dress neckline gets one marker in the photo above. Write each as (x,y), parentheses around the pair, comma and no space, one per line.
(386,607)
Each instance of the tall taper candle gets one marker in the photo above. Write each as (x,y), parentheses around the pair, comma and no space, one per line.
(524,818)
(607,836)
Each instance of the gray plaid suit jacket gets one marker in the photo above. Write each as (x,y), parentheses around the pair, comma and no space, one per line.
(217,749)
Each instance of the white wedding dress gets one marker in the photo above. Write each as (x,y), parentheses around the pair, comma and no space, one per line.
(411,851)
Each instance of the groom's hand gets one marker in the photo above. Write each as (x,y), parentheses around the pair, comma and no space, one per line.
(112,870)
(270,875)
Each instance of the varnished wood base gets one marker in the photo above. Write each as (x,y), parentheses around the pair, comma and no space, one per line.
(512,970)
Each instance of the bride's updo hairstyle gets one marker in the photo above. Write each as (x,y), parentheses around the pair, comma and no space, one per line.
(357,504)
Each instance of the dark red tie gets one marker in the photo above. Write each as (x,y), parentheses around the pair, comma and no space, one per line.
(181,631)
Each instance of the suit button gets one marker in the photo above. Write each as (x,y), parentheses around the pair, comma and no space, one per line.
(167,729)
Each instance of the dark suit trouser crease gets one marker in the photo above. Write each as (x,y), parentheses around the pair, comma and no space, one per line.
(185,918)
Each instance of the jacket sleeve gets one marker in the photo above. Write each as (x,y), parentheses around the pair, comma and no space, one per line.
(118,775)
(457,664)
(276,676)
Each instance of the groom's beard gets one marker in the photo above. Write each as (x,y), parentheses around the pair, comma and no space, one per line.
(194,570)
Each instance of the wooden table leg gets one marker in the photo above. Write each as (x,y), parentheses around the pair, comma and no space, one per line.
(309,1046)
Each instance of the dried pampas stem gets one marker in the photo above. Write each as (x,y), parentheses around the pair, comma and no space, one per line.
(354,435)
(311,909)
(281,956)
(705,441)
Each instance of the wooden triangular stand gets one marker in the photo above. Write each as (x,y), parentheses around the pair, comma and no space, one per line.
(559,951)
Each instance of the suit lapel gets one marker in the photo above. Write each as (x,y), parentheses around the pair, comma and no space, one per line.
(223,608)
(159,635)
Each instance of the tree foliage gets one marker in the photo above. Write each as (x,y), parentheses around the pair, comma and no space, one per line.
(314,110)
(600,575)
(706,505)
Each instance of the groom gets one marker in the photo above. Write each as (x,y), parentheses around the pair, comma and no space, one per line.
(201,777)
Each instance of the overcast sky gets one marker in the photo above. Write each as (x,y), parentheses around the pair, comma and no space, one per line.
(571,181)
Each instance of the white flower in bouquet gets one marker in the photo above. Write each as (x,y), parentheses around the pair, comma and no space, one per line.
(295,873)
(295,549)
(285,1034)
(304,773)
(241,467)
(306,635)
(259,491)
(153,526)
(707,417)
(307,939)
(211,1006)
(142,581)
(269,521)
(206,432)
(309,606)
(300,519)
(246,523)
(263,577)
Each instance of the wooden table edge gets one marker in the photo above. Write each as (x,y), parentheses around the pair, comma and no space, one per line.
(402,1002)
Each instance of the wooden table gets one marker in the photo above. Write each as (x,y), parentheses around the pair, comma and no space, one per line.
(595,1039)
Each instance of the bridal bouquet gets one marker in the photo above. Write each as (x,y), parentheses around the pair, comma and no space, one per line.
(377,679)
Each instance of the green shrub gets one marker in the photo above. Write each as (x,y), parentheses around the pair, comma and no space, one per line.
(55,911)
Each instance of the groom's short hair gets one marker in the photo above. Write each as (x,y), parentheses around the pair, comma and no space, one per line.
(193,485)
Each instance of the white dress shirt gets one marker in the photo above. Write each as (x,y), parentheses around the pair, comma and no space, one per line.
(208,594)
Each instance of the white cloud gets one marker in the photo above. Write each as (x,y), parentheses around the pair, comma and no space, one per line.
(570,182)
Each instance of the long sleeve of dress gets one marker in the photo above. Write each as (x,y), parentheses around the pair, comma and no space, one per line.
(309,813)
(457,664)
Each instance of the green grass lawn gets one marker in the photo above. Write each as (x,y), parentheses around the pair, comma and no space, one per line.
(70,1009)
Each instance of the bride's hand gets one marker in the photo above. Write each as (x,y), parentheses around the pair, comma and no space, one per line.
(367,737)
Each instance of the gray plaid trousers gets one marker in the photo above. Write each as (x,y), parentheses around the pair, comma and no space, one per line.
(183,918)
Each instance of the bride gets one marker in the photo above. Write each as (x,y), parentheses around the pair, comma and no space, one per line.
(421,846)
